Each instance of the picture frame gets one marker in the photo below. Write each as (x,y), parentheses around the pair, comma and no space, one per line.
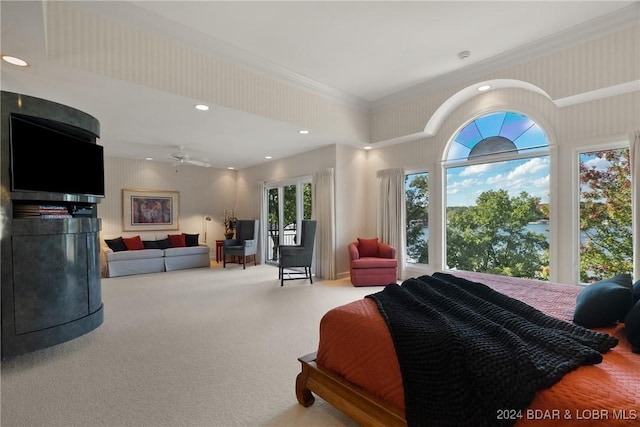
(150,210)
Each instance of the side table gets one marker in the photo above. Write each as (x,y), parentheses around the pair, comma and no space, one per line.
(219,244)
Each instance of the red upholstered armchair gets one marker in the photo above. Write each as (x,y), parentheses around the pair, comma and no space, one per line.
(373,263)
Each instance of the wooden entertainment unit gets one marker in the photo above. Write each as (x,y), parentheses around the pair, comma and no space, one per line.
(51,290)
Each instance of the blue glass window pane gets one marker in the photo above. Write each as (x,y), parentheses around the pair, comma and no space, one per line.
(458,151)
(515,125)
(533,137)
(491,124)
(469,135)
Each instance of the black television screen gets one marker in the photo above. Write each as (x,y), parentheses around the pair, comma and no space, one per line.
(49,156)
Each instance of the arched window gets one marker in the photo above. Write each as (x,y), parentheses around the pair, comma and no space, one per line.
(497,133)
(497,197)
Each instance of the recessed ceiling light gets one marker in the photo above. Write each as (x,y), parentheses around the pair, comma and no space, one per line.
(15,61)
(484,88)
(231,168)
(148,158)
(368,147)
(201,107)
(268,157)
(303,132)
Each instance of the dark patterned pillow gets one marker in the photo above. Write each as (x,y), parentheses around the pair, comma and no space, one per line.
(191,239)
(604,303)
(150,244)
(632,327)
(163,244)
(116,245)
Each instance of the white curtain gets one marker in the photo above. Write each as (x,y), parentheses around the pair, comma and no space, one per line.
(262,196)
(391,212)
(323,211)
(634,139)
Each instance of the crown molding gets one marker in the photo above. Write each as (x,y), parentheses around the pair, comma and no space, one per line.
(147,20)
(607,24)
(163,27)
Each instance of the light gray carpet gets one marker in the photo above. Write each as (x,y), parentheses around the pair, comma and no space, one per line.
(201,347)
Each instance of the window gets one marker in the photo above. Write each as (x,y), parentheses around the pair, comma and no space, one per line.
(417,207)
(497,190)
(606,243)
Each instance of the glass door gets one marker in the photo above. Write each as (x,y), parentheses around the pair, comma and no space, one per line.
(286,206)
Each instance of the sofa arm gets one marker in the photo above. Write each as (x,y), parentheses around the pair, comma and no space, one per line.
(353,251)
(386,251)
(104,265)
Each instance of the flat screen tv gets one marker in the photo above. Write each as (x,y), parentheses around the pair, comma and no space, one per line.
(53,157)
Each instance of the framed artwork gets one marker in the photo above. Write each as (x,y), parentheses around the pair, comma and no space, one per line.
(146,210)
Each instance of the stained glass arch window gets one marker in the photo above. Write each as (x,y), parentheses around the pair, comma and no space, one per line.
(497,133)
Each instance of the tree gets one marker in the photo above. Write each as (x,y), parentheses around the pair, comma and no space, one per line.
(605,216)
(417,213)
(492,237)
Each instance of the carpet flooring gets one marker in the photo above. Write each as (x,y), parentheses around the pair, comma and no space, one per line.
(200,347)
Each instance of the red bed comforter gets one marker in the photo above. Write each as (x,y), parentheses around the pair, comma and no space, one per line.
(355,343)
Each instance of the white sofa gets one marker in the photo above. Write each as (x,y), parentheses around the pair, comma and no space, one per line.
(151,260)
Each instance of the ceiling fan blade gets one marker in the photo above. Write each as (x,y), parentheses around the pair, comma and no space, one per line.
(198,163)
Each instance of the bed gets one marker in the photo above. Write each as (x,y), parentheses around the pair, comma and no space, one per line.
(356,368)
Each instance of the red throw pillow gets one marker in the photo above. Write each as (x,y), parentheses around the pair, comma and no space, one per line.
(368,247)
(133,243)
(177,240)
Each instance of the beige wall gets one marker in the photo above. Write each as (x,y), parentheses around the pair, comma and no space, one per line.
(203,192)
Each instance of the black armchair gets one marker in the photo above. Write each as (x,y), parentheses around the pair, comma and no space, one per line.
(245,244)
(296,256)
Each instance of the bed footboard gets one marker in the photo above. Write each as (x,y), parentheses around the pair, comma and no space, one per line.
(362,406)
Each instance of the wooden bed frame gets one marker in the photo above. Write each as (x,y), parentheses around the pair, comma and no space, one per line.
(364,407)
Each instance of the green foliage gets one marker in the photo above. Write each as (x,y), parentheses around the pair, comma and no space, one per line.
(417,215)
(491,236)
(289,211)
(605,217)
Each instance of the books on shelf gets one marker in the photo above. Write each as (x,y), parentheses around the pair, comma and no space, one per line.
(55,216)
(41,211)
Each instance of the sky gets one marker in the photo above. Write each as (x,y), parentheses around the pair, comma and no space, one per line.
(466,183)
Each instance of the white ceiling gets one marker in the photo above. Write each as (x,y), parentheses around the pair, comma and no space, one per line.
(366,54)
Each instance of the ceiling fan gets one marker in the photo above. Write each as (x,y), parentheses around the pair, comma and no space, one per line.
(180,157)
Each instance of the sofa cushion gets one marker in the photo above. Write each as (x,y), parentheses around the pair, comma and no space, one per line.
(131,255)
(372,262)
(604,303)
(188,250)
(116,245)
(368,247)
(177,240)
(191,239)
(133,243)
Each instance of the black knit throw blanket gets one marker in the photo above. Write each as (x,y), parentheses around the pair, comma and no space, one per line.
(468,353)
